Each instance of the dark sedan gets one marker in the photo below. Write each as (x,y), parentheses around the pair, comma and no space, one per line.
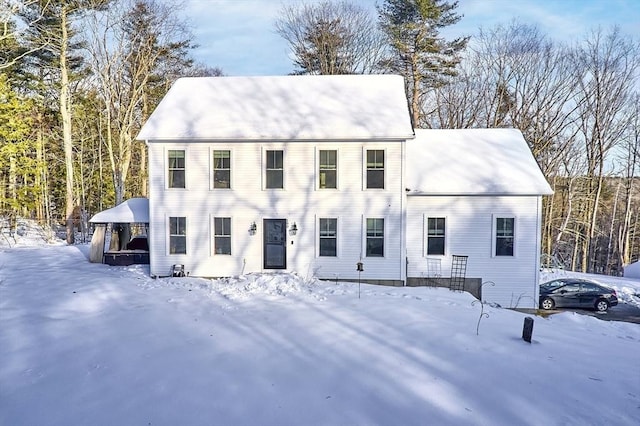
(576,293)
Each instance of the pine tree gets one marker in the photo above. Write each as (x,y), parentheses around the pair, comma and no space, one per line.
(417,51)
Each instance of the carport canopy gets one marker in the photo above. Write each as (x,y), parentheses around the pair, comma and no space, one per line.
(133,210)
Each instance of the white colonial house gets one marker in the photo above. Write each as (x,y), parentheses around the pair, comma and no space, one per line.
(315,174)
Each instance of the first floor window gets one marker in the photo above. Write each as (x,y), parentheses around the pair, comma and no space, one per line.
(328,237)
(275,169)
(176,169)
(375,238)
(435,236)
(177,235)
(222,235)
(505,235)
(222,169)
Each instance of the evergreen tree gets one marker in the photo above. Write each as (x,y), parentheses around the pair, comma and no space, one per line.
(55,50)
(417,51)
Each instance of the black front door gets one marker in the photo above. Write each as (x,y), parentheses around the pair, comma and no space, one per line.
(275,243)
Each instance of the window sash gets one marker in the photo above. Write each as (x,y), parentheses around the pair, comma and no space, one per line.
(222,235)
(328,236)
(274,169)
(435,235)
(222,169)
(328,167)
(375,168)
(505,236)
(375,238)
(177,235)
(176,168)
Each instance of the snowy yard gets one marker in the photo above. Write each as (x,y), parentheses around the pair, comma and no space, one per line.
(89,344)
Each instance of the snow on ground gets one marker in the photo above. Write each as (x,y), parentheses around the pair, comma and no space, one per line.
(84,343)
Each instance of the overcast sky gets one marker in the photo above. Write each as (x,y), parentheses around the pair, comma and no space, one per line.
(239,35)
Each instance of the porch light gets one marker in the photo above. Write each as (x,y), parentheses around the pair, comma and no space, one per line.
(253,228)
(294,229)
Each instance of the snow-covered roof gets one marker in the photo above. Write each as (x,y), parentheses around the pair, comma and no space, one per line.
(133,210)
(339,107)
(472,162)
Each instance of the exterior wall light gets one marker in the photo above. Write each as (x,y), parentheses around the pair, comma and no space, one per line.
(294,229)
(253,228)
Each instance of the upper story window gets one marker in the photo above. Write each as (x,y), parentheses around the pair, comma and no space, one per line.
(274,169)
(435,235)
(177,235)
(375,238)
(222,169)
(328,169)
(505,236)
(222,235)
(375,168)
(176,168)
(328,237)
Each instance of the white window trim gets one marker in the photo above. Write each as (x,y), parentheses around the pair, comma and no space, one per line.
(166,167)
(212,234)
(317,235)
(212,170)
(425,234)
(385,183)
(263,162)
(385,237)
(167,231)
(494,230)
(317,167)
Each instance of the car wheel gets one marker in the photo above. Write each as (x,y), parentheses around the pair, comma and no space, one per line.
(602,305)
(547,303)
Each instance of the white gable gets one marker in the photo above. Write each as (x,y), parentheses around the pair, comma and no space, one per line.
(344,107)
(472,162)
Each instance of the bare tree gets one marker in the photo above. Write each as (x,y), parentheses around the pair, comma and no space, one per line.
(631,171)
(607,66)
(135,49)
(331,37)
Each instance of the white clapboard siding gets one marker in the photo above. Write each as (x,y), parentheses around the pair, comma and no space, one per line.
(469,231)
(300,202)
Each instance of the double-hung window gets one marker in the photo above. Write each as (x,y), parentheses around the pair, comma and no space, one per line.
(375,168)
(176,168)
(274,169)
(177,235)
(375,237)
(435,235)
(328,237)
(328,169)
(222,169)
(505,236)
(222,235)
